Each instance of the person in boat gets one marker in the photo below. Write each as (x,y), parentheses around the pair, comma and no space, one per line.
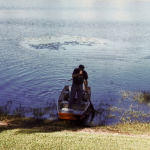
(80,76)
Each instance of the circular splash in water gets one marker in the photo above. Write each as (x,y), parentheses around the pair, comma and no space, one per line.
(60,42)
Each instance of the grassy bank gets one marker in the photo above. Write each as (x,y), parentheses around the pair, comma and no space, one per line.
(18,132)
(34,139)
(28,133)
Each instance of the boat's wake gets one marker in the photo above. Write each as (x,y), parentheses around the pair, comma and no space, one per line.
(60,42)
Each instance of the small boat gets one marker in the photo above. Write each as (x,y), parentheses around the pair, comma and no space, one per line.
(73,114)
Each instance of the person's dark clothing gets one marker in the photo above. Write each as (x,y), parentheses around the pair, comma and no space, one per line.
(77,87)
(79,79)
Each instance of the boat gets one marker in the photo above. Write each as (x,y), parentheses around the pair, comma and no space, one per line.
(73,114)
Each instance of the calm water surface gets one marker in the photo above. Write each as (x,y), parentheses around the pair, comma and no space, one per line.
(42,42)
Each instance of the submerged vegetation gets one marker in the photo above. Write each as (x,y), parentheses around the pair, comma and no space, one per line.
(105,114)
(21,111)
(141,97)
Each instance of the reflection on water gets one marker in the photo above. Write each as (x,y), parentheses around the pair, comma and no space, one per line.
(42,42)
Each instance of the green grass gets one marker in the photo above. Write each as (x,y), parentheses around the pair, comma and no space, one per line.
(28,133)
(135,128)
(17,139)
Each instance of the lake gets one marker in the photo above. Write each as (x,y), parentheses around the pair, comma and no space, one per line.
(42,41)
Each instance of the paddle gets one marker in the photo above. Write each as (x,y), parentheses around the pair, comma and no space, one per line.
(93,111)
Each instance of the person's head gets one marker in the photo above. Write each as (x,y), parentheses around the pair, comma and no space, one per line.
(81,67)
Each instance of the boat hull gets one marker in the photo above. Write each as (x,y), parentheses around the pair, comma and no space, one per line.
(75,114)
(69,116)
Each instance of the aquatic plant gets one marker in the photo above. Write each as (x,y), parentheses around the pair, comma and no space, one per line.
(141,96)
(115,114)
(19,111)
(37,112)
(5,109)
(104,114)
(146,96)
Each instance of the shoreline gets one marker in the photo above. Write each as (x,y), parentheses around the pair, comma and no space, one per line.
(135,129)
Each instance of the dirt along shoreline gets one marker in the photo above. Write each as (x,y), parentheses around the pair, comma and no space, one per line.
(56,127)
